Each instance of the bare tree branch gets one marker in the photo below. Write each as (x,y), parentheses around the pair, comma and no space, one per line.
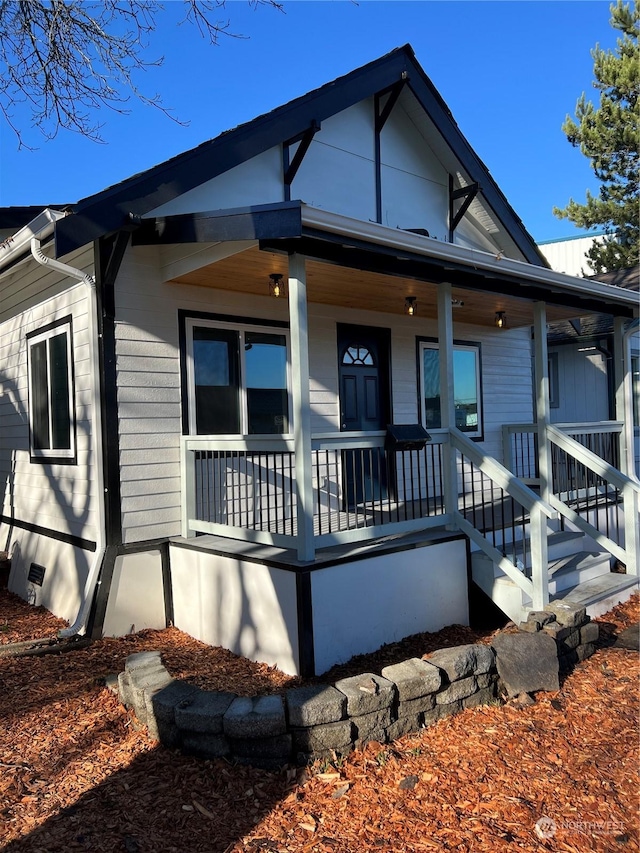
(67,59)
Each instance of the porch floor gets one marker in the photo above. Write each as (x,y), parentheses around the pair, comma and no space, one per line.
(287,558)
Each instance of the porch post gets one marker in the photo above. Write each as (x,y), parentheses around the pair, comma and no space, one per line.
(538,523)
(541,361)
(622,386)
(447,400)
(301,405)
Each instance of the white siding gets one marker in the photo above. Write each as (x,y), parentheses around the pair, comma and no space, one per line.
(338,174)
(59,497)
(415,185)
(258,181)
(149,393)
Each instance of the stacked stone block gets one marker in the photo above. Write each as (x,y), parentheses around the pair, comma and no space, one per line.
(325,720)
(573,631)
(306,722)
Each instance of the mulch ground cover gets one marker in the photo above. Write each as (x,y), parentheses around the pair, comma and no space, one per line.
(77,773)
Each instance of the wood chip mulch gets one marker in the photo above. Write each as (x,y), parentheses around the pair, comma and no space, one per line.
(77,774)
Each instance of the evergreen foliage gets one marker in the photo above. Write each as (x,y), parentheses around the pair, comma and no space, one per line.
(608,135)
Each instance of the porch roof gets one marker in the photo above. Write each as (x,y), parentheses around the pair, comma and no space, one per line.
(295,227)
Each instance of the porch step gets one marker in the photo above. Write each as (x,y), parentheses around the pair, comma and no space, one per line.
(563,544)
(568,572)
(601,593)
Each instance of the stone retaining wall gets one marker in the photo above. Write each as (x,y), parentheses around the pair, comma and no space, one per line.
(327,720)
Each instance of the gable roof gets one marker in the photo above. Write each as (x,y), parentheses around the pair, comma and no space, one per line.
(112,209)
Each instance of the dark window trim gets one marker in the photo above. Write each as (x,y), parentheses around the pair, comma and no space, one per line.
(461,343)
(51,459)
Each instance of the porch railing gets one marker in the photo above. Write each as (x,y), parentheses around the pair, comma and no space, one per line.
(246,488)
(596,497)
(504,518)
(520,445)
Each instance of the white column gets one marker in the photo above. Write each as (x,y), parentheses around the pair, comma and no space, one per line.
(538,524)
(541,361)
(622,386)
(624,413)
(447,400)
(301,404)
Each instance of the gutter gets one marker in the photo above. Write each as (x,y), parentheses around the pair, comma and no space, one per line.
(18,246)
(372,232)
(80,623)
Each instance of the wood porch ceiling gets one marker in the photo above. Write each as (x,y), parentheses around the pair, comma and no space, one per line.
(329,284)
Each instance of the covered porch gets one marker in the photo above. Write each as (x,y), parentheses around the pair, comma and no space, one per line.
(304,490)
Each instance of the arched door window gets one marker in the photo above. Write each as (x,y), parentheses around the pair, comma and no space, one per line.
(356,354)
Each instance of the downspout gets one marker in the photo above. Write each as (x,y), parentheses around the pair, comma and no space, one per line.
(80,623)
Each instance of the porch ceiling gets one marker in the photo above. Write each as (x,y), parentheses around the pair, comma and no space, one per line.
(330,284)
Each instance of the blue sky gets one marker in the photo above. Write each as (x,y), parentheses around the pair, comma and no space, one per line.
(509,70)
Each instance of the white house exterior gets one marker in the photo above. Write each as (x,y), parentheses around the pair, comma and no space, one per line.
(177,445)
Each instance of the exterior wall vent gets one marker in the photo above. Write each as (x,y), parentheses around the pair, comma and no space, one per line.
(36,574)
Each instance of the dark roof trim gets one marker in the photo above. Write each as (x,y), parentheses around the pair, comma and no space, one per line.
(262,222)
(110,209)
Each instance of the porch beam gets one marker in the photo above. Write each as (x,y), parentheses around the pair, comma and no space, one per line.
(447,401)
(298,316)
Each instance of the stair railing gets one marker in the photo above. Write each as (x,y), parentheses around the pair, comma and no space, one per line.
(478,465)
(594,491)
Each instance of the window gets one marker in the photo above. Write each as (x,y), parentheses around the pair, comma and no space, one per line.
(466,386)
(238,379)
(51,412)
(554,387)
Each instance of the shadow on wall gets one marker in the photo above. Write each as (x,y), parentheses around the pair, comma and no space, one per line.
(245,607)
(55,495)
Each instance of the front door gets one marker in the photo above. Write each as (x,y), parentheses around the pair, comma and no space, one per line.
(363,366)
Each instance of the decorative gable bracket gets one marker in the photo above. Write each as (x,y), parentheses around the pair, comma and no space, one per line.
(290,167)
(467,194)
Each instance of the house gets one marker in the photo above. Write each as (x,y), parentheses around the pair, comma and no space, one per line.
(278,391)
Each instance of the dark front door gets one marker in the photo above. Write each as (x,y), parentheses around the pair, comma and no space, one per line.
(363,359)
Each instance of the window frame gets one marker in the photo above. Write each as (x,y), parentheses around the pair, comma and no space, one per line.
(60,455)
(242,327)
(423,343)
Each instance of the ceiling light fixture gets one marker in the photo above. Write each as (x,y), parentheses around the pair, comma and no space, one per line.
(410,305)
(277,286)
(501,319)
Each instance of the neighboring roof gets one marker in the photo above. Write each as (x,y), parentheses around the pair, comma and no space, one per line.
(558,241)
(628,278)
(594,325)
(111,209)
